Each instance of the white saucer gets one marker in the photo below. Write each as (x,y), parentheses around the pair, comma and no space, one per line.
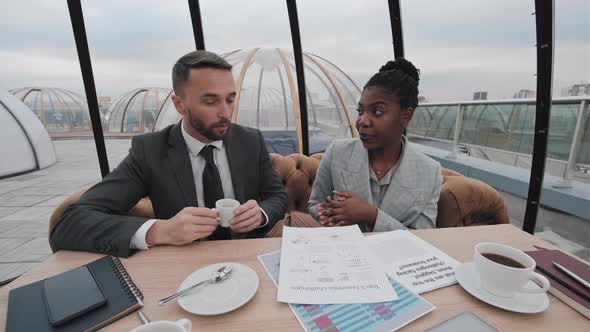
(222,297)
(528,303)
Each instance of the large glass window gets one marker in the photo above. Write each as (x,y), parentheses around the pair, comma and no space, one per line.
(133,46)
(464,47)
(353,35)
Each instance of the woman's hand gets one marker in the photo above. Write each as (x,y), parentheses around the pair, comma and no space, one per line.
(346,209)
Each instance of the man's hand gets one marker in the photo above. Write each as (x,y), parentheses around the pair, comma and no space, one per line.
(247,217)
(347,209)
(188,225)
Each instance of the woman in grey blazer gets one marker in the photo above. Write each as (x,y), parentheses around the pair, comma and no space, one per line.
(378,180)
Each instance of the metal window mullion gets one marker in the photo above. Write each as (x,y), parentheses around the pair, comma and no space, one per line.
(77,19)
(545,20)
(395,19)
(298,54)
(197,23)
(295,101)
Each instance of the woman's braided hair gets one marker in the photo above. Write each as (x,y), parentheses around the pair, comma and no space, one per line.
(400,79)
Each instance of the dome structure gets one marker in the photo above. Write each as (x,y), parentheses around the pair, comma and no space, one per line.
(24,143)
(136,111)
(267,99)
(59,110)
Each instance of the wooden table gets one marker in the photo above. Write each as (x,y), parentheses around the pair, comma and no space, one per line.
(159,271)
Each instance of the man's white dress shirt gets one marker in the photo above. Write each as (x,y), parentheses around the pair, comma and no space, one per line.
(194,147)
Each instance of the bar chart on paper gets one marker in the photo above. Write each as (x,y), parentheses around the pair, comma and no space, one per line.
(385,316)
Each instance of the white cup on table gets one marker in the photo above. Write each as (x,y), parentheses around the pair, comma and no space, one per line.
(504,271)
(226,207)
(181,325)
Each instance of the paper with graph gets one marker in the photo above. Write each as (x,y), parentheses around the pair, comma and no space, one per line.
(330,265)
(373,317)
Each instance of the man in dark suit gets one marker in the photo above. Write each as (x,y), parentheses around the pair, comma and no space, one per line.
(184,169)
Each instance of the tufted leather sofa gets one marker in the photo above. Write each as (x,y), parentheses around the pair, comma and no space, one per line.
(469,202)
(463,201)
(297,172)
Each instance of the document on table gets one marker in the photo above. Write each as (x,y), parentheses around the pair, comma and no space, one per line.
(330,265)
(366,317)
(412,261)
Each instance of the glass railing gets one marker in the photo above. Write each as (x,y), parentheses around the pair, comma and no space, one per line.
(509,125)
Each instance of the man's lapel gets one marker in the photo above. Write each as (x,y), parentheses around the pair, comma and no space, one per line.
(355,175)
(181,165)
(236,157)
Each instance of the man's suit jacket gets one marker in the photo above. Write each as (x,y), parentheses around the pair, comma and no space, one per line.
(410,200)
(158,165)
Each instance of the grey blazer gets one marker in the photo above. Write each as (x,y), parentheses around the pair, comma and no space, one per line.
(411,198)
(158,166)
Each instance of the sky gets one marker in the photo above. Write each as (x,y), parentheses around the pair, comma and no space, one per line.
(460,46)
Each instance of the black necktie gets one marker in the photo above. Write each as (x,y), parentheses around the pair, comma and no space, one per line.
(212,189)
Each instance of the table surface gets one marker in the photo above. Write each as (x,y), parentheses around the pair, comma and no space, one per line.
(159,270)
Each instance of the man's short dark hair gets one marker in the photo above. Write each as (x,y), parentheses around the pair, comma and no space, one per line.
(195,59)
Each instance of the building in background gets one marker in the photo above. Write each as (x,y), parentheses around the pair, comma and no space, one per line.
(524,93)
(582,89)
(480,95)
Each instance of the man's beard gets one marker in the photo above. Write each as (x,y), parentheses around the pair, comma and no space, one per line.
(202,129)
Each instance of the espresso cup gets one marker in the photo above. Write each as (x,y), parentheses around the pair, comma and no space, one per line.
(225,207)
(181,325)
(504,271)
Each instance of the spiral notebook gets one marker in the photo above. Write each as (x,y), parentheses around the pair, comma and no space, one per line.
(27,311)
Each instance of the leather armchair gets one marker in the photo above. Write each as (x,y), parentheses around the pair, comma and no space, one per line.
(463,201)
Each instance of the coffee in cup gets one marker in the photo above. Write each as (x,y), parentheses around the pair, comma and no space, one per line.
(503,260)
(504,271)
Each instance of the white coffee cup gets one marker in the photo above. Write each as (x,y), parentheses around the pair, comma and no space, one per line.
(181,325)
(502,279)
(225,207)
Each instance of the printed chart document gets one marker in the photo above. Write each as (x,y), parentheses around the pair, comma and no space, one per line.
(368,317)
(412,261)
(330,265)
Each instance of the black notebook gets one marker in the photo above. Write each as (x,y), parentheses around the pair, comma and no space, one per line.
(27,305)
